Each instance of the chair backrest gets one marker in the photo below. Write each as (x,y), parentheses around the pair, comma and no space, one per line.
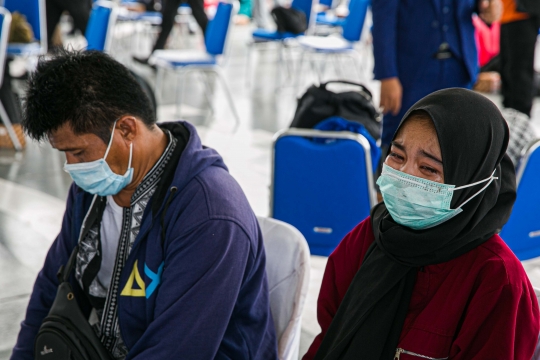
(322,188)
(354,23)
(34,10)
(327,3)
(287,269)
(99,31)
(5,22)
(522,231)
(306,6)
(218,28)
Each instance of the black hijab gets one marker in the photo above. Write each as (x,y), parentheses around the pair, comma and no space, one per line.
(473,137)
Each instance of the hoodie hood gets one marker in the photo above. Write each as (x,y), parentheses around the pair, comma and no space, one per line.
(195,157)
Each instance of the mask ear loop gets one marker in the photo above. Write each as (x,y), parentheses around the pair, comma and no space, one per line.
(130,155)
(490,179)
(110,141)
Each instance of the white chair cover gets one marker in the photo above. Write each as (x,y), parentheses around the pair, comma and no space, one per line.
(287,268)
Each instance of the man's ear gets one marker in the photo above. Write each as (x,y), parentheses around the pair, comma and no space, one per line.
(128,126)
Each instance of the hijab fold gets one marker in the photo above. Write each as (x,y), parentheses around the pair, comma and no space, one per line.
(473,137)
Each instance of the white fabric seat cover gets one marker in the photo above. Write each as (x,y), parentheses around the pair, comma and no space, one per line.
(172,58)
(287,268)
(325,43)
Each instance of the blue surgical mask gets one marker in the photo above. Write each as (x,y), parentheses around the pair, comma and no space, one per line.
(96,177)
(419,203)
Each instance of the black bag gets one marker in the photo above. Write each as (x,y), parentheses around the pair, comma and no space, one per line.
(65,333)
(147,90)
(319,103)
(289,20)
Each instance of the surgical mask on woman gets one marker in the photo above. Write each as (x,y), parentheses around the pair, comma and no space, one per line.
(96,177)
(419,203)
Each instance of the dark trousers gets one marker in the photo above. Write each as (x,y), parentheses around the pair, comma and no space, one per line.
(78,9)
(170,10)
(518,41)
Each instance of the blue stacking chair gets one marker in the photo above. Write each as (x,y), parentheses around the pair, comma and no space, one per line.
(5,22)
(323,18)
(522,231)
(334,46)
(264,36)
(323,189)
(34,10)
(99,31)
(152,17)
(327,3)
(184,62)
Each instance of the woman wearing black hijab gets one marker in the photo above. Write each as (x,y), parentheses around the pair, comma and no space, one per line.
(426,276)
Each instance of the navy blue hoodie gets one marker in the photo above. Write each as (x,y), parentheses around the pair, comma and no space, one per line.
(210,298)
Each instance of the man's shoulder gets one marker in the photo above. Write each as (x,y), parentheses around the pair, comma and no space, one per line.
(215,195)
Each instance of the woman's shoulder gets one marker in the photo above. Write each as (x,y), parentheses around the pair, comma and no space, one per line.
(355,244)
(498,262)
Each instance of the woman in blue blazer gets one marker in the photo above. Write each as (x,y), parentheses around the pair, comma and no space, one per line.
(421,46)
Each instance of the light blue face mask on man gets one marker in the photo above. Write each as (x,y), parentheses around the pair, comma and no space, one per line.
(96,177)
(419,203)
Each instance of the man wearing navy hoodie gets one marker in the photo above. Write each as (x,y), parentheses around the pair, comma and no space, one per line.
(173,267)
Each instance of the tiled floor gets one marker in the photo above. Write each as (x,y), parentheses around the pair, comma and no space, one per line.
(33,186)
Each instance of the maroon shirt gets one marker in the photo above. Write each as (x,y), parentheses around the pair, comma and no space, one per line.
(480,305)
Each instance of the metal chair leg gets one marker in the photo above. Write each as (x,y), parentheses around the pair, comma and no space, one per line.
(314,68)
(180,88)
(159,83)
(250,46)
(229,96)
(288,65)
(338,66)
(207,91)
(299,71)
(279,66)
(9,128)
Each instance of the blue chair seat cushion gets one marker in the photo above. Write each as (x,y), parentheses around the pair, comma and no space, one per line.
(271,35)
(33,48)
(325,44)
(152,17)
(180,58)
(325,19)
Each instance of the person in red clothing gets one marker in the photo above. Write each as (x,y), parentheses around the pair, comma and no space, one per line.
(426,276)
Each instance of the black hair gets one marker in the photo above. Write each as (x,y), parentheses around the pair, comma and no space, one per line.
(88,89)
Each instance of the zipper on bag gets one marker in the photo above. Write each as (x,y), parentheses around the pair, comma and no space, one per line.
(400,351)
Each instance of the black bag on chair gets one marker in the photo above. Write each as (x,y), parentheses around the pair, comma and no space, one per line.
(65,334)
(289,20)
(319,103)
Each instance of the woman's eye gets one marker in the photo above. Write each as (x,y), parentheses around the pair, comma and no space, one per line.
(396,156)
(431,170)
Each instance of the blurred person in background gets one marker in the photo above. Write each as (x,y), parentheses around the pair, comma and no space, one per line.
(78,9)
(421,46)
(519,31)
(169,10)
(244,13)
